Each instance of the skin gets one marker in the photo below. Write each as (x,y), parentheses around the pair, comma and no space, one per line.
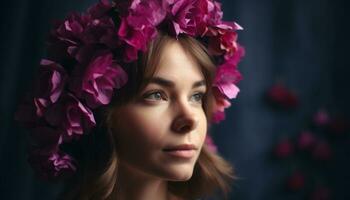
(166,113)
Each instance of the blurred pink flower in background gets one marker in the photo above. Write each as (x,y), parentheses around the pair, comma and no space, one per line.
(284,148)
(282,97)
(321,118)
(306,140)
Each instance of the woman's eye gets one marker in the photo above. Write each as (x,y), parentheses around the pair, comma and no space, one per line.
(154,96)
(159,96)
(198,97)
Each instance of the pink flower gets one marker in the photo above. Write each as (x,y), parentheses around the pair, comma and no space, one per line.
(47,89)
(218,116)
(210,144)
(100,31)
(100,9)
(284,148)
(220,104)
(49,84)
(321,118)
(51,165)
(66,36)
(223,42)
(146,12)
(226,78)
(296,181)
(214,14)
(75,32)
(138,27)
(96,82)
(282,97)
(70,115)
(181,19)
(135,39)
(207,14)
(306,140)
(322,151)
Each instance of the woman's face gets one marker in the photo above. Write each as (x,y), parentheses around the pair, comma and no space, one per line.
(161,132)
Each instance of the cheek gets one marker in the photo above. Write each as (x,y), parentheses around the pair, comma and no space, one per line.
(145,124)
(139,133)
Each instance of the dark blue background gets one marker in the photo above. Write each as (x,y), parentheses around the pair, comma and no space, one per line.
(303,43)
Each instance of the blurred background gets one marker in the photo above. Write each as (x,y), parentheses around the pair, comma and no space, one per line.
(287,133)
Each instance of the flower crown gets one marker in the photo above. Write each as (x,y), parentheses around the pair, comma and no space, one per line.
(83,68)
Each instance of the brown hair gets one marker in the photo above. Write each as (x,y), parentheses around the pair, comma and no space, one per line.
(97,156)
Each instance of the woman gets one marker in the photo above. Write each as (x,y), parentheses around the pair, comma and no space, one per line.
(125,116)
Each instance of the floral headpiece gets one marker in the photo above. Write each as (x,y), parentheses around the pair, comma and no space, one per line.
(83,68)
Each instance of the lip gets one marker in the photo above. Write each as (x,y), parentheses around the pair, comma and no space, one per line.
(181,151)
(181,147)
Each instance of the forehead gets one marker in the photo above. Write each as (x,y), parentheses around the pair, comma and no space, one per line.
(177,64)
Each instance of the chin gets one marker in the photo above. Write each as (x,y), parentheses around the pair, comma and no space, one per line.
(181,173)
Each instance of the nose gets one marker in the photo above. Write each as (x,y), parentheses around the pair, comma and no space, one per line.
(186,119)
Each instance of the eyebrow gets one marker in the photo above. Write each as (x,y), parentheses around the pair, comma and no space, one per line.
(171,84)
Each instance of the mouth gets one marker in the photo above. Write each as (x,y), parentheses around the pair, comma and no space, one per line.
(181,151)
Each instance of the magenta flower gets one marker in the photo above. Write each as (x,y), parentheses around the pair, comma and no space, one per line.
(306,140)
(321,118)
(146,12)
(214,14)
(226,78)
(51,165)
(218,116)
(138,27)
(65,38)
(47,89)
(224,42)
(70,115)
(100,9)
(50,82)
(284,149)
(96,82)
(135,39)
(207,14)
(101,31)
(281,97)
(77,31)
(220,104)
(181,17)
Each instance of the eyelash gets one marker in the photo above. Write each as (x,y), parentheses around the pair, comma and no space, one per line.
(147,95)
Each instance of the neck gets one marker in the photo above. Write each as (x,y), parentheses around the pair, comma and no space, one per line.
(135,185)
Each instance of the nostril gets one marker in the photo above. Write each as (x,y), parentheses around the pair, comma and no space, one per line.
(183,125)
(185,128)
